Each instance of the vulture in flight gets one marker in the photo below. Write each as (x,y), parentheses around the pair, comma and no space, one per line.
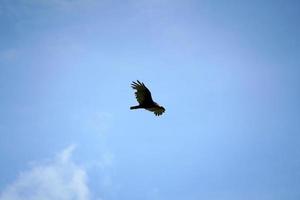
(143,96)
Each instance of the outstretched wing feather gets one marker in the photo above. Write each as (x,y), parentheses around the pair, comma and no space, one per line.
(142,94)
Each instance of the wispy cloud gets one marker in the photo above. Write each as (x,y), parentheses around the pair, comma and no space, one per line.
(101,121)
(94,121)
(62,4)
(8,54)
(58,178)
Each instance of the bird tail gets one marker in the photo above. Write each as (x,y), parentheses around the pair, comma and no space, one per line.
(135,107)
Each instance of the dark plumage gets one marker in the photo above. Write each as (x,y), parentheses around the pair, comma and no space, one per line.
(143,96)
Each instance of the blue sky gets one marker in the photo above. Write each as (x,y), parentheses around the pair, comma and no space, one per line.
(227,73)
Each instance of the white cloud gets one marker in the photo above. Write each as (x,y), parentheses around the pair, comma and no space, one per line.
(57,179)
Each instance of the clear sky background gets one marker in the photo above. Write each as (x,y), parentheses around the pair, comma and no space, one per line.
(227,72)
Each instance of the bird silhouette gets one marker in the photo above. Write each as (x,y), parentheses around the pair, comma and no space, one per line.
(144,98)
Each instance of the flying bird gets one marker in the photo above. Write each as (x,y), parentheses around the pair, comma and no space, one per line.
(143,96)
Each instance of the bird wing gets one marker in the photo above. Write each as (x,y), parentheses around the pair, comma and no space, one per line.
(142,94)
